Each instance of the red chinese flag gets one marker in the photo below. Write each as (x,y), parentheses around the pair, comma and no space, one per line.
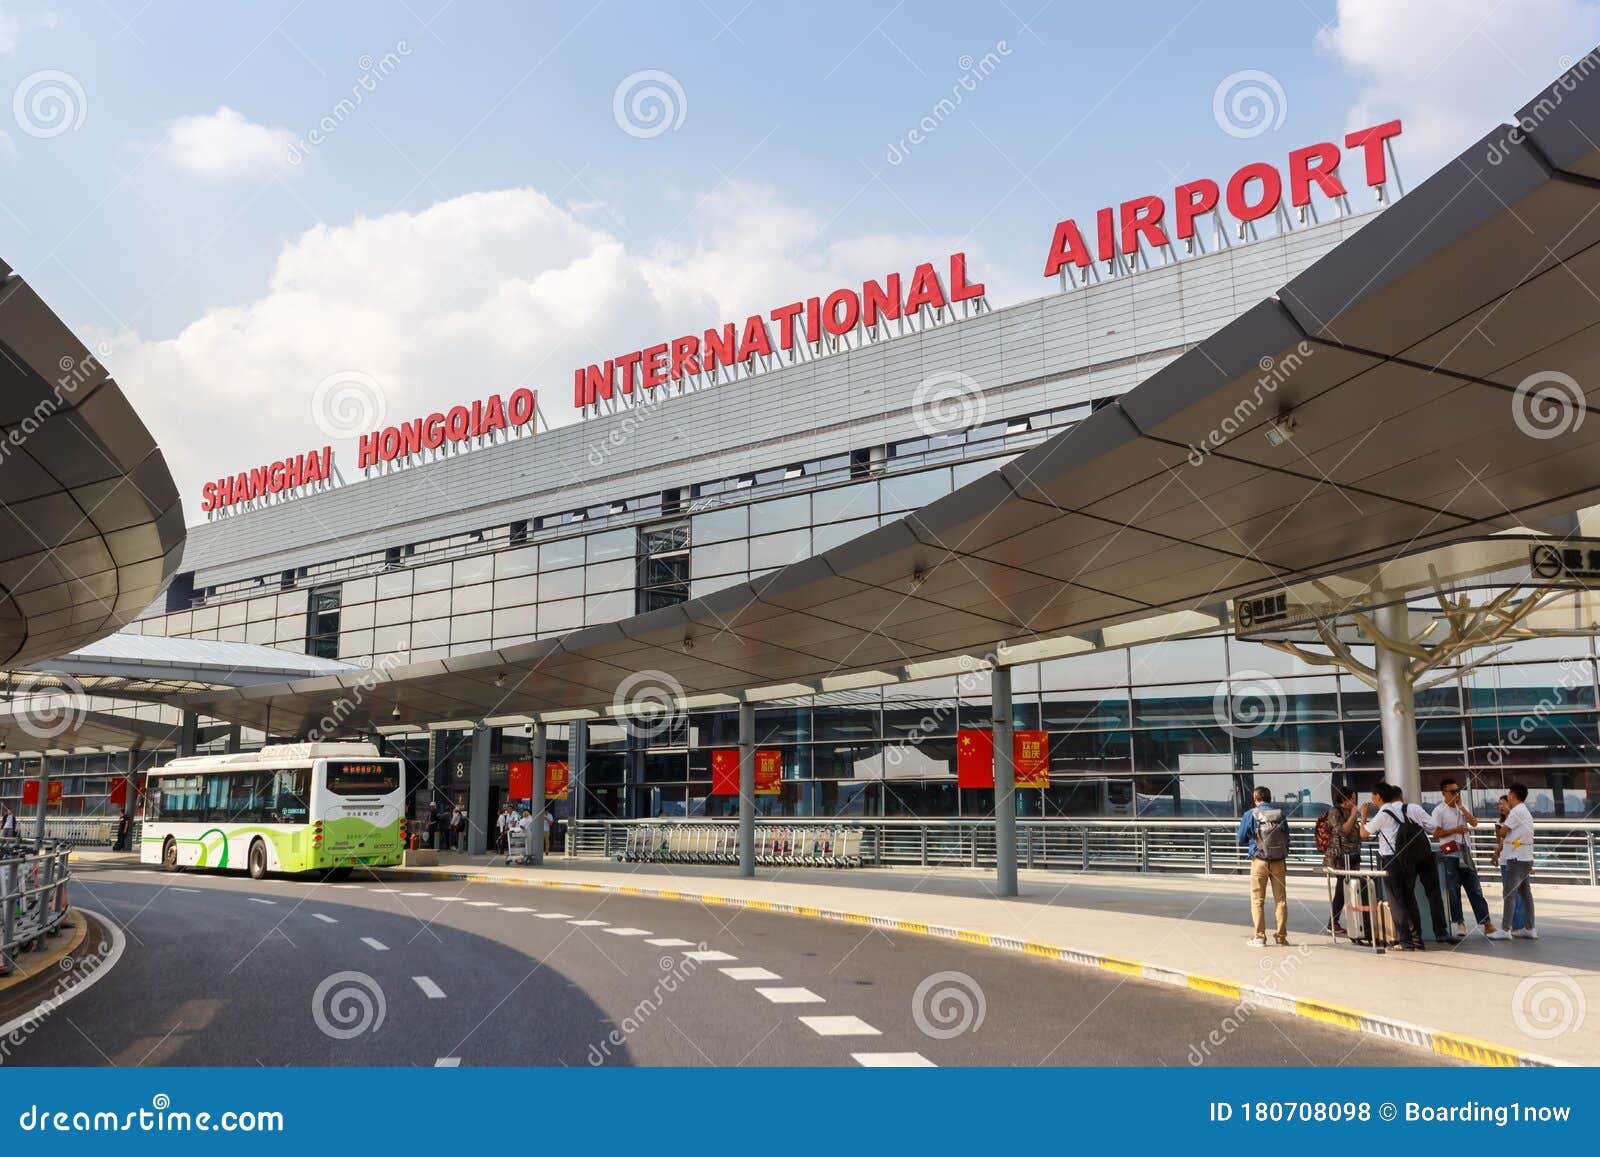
(557,780)
(119,792)
(1030,753)
(520,780)
(769,772)
(725,771)
(30,793)
(974,759)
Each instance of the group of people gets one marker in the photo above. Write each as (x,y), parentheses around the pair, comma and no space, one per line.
(1415,846)
(447,827)
(520,821)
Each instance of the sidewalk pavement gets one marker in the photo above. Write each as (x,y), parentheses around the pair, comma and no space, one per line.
(1514,1002)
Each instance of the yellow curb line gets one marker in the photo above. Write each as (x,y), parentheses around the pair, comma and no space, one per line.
(1469,1049)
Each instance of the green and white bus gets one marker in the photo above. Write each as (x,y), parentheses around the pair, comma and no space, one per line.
(296,807)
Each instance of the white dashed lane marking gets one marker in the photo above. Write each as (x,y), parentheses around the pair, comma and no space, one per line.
(892,1061)
(670,942)
(429,989)
(839,1026)
(416,893)
(790,995)
(707,955)
(259,900)
(324,919)
(521,909)
(587,923)
(750,974)
(482,904)
(375,945)
(554,916)
(447,1063)
(627,931)
(175,888)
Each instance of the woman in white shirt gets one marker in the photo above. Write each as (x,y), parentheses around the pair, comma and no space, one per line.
(1516,862)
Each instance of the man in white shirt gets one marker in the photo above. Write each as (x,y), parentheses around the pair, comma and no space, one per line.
(1405,864)
(1516,861)
(1452,821)
(525,828)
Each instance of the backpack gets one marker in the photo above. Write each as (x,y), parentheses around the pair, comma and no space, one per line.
(1412,845)
(1272,834)
(1324,831)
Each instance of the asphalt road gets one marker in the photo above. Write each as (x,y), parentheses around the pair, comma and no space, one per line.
(219,969)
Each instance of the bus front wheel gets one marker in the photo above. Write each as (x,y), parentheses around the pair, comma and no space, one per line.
(169,855)
(258,860)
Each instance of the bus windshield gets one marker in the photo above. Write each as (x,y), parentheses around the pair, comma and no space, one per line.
(364,777)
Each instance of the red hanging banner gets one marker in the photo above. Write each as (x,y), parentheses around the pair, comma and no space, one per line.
(119,792)
(1030,753)
(557,781)
(725,771)
(30,793)
(974,759)
(519,783)
(769,771)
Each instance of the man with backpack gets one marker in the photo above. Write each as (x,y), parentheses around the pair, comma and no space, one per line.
(1405,852)
(1265,829)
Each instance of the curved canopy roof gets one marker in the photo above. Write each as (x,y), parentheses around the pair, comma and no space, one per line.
(90,522)
(1410,357)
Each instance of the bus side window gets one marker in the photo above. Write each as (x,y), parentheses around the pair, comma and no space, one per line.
(293,785)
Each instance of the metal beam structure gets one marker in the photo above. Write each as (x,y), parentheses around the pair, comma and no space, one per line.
(1005,783)
(541,762)
(747,788)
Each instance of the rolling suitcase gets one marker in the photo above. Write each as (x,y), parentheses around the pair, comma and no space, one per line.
(1368,921)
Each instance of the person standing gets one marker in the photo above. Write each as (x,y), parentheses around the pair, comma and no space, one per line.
(1518,916)
(8,824)
(1343,852)
(1402,831)
(502,828)
(435,827)
(458,828)
(1452,821)
(1516,863)
(1265,829)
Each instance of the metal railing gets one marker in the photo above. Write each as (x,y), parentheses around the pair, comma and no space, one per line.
(33,898)
(1566,852)
(76,831)
(813,845)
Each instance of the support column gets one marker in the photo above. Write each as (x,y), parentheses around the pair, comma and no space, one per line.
(1005,783)
(578,767)
(747,789)
(1397,705)
(231,745)
(188,733)
(541,761)
(44,801)
(478,792)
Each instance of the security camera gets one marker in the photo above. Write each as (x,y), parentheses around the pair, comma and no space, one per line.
(1281,429)
(395,714)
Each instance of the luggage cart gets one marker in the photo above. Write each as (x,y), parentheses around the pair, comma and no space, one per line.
(516,847)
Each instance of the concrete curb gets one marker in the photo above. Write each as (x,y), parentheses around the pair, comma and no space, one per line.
(1445,1044)
(31,968)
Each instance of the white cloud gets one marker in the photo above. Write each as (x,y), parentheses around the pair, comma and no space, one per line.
(474,295)
(1451,69)
(225,144)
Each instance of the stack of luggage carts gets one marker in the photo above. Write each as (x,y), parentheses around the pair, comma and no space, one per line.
(799,845)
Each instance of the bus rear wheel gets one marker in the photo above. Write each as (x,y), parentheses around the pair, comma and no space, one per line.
(257,860)
(169,855)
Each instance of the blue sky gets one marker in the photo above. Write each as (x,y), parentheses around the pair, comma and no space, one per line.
(482,220)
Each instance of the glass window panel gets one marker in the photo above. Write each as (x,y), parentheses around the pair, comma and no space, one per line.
(787,724)
(611,544)
(607,608)
(838,503)
(1070,710)
(391,640)
(1183,749)
(562,552)
(392,611)
(775,550)
(1532,739)
(611,576)
(394,582)
(1080,752)
(433,605)
(292,603)
(914,491)
(784,514)
(846,760)
(845,722)
(354,644)
(258,609)
(362,590)
(1096,669)
(565,615)
(1163,706)
(920,798)
(1179,660)
(1439,744)
(1538,687)
(467,600)
(516,592)
(1358,701)
(469,628)
(1187,796)
(561,584)
(477,569)
(1288,747)
(357,617)
(430,633)
(723,558)
(517,621)
(230,614)
(826,537)
(516,563)
(720,525)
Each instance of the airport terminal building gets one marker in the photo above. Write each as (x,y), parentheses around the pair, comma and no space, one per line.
(470,534)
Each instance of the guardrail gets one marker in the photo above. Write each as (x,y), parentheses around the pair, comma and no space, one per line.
(76,831)
(1567,852)
(688,842)
(33,898)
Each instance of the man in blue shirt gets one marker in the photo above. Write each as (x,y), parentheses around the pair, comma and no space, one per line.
(1265,829)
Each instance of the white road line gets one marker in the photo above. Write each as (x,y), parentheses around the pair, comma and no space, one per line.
(709,956)
(627,931)
(482,904)
(790,995)
(839,1026)
(447,1063)
(447,899)
(587,923)
(554,916)
(175,888)
(749,974)
(324,919)
(670,942)
(259,900)
(370,889)
(375,945)
(416,893)
(892,1061)
(522,909)
(429,989)
(348,886)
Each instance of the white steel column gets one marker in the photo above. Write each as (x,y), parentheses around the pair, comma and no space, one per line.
(477,791)
(1005,784)
(1397,704)
(747,789)
(541,760)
